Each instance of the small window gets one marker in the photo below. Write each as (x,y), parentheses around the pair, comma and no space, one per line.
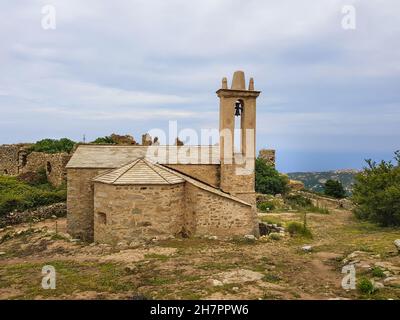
(23,160)
(5,171)
(48,167)
(102,218)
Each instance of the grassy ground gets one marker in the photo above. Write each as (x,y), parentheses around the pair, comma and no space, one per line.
(19,195)
(183,268)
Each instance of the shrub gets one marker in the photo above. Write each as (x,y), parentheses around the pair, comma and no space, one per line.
(298,201)
(268,180)
(376,192)
(378,272)
(275,236)
(265,206)
(53,145)
(19,195)
(104,140)
(334,188)
(365,286)
(297,228)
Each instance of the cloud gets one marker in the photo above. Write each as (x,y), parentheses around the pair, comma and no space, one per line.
(133,65)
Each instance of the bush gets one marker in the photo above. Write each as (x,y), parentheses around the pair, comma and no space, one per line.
(376,192)
(334,188)
(298,201)
(265,206)
(104,140)
(19,195)
(53,146)
(365,286)
(275,236)
(297,228)
(268,180)
(378,272)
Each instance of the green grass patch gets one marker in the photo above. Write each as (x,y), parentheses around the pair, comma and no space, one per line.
(19,195)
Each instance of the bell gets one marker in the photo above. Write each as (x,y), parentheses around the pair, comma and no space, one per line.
(238,109)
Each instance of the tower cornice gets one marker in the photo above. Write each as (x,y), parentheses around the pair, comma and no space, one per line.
(230,93)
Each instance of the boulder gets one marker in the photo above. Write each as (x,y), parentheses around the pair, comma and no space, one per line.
(397,244)
(250,237)
(306,248)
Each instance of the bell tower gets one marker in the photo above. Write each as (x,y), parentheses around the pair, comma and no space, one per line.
(237,126)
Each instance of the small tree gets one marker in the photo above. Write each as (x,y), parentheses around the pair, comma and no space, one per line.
(268,179)
(104,140)
(376,192)
(334,188)
(53,145)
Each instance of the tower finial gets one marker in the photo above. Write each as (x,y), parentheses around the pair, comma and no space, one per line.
(251,84)
(224,83)
(238,82)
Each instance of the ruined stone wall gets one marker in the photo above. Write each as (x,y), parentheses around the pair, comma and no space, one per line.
(210,214)
(207,173)
(268,155)
(15,159)
(9,159)
(80,202)
(132,213)
(54,164)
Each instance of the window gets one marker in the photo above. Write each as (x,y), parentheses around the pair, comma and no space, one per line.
(237,137)
(102,218)
(48,167)
(23,160)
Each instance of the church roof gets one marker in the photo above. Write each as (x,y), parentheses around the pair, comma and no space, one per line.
(114,156)
(139,171)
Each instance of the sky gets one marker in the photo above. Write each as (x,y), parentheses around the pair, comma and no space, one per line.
(330,96)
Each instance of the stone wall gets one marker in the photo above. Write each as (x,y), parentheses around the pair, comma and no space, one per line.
(207,173)
(9,158)
(329,203)
(15,159)
(80,202)
(54,164)
(268,155)
(210,214)
(132,213)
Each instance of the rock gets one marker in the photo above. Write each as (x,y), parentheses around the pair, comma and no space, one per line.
(134,244)
(2,253)
(397,244)
(215,283)
(250,237)
(377,285)
(235,288)
(388,266)
(122,245)
(212,238)
(130,268)
(392,281)
(75,240)
(306,248)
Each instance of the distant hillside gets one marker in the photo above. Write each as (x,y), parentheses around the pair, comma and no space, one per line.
(315,180)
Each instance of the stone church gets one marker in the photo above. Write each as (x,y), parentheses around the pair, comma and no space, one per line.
(132,193)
